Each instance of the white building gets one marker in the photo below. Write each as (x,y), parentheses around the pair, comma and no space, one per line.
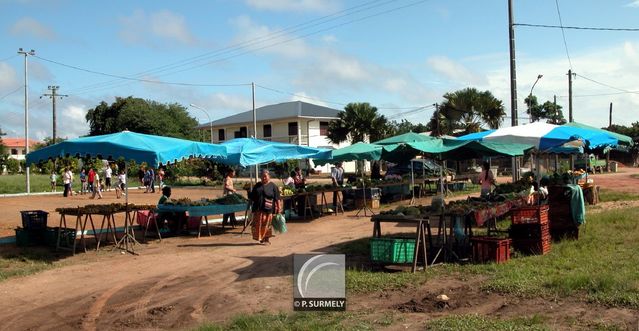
(294,122)
(16,147)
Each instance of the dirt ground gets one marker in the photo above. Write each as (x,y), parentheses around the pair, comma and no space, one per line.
(181,282)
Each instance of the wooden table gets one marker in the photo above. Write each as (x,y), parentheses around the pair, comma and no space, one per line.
(203,212)
(422,229)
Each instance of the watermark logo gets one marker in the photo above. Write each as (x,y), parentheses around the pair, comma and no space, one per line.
(319,282)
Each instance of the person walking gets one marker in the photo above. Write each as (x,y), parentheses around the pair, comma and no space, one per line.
(83,181)
(53,179)
(91,178)
(119,189)
(107,177)
(151,179)
(141,173)
(337,177)
(97,187)
(161,177)
(229,189)
(265,201)
(67,178)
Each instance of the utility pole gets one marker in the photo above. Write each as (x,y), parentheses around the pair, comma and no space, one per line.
(610,117)
(26,111)
(53,95)
(513,80)
(437,129)
(257,167)
(570,74)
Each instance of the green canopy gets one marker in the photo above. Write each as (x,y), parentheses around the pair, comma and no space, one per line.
(623,139)
(404,138)
(358,151)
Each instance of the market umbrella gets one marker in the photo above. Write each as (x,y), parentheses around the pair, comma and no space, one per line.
(623,139)
(545,136)
(250,151)
(154,150)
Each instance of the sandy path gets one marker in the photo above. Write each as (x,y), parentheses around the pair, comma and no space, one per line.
(177,283)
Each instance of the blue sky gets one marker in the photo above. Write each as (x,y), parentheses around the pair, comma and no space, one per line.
(397,55)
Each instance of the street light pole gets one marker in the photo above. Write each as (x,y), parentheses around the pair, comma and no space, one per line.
(209,117)
(26,111)
(530,97)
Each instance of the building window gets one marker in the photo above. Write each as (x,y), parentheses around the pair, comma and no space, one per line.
(323,128)
(241,133)
(14,151)
(267,130)
(292,128)
(220,135)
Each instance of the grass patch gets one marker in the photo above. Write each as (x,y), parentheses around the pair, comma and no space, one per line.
(600,267)
(607,195)
(16,262)
(477,322)
(295,321)
(12,184)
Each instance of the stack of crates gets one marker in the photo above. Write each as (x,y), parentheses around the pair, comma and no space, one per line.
(530,232)
(34,227)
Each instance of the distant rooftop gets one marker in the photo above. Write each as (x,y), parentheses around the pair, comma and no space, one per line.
(17,142)
(278,111)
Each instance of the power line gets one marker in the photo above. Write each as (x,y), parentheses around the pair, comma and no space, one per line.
(577,27)
(135,79)
(240,53)
(597,95)
(563,34)
(9,58)
(12,92)
(607,85)
(241,45)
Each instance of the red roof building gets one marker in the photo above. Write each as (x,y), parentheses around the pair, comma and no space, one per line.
(16,147)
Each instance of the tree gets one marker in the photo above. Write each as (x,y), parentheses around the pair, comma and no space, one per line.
(356,122)
(549,111)
(142,116)
(468,110)
(396,128)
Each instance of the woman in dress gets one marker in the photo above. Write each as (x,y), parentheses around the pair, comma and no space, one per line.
(486,179)
(265,201)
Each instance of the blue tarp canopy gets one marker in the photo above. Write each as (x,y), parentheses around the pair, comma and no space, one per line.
(250,151)
(154,150)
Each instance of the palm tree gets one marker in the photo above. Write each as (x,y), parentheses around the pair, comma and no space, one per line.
(468,109)
(356,122)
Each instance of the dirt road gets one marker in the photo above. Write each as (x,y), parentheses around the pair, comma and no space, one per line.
(179,282)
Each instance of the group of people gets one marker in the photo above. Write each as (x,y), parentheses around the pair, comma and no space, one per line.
(91,182)
(537,194)
(147,177)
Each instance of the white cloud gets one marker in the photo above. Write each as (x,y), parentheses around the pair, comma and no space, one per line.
(8,78)
(454,71)
(329,39)
(321,6)
(634,4)
(28,26)
(256,37)
(156,29)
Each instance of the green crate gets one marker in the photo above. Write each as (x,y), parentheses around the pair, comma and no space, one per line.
(26,237)
(66,239)
(392,250)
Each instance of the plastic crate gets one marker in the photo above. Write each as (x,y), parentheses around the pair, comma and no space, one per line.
(529,231)
(26,237)
(489,249)
(392,250)
(530,214)
(67,237)
(532,246)
(34,219)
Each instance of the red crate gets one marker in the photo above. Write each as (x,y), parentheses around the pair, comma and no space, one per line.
(529,231)
(489,249)
(533,246)
(530,214)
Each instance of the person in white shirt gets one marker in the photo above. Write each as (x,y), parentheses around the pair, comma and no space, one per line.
(337,176)
(53,178)
(107,177)
(119,188)
(67,179)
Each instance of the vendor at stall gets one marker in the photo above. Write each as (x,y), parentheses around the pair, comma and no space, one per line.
(486,179)
(170,220)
